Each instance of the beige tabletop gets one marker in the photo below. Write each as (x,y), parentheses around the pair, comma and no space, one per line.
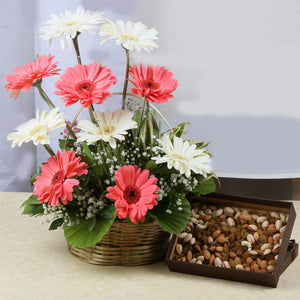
(35,264)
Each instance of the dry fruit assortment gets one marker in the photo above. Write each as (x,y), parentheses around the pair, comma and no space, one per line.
(232,237)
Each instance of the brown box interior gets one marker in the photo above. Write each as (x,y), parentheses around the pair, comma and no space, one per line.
(288,250)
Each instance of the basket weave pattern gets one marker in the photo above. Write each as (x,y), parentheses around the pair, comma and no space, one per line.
(126,245)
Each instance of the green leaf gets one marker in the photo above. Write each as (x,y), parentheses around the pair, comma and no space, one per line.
(32,207)
(87,151)
(91,223)
(151,165)
(80,236)
(33,178)
(179,129)
(172,222)
(108,212)
(205,187)
(98,170)
(56,223)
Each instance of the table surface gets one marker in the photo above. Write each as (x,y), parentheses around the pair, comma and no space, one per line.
(35,264)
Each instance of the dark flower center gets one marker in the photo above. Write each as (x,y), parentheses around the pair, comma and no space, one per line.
(150,84)
(131,194)
(85,86)
(58,177)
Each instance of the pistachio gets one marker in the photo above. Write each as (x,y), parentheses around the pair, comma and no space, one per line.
(254,217)
(276,236)
(267,251)
(219,212)
(228,211)
(239,267)
(282,229)
(210,240)
(179,249)
(282,217)
(193,261)
(250,239)
(265,246)
(278,224)
(182,235)
(236,216)
(226,264)
(200,258)
(252,227)
(261,219)
(274,215)
(192,241)
(230,222)
(265,225)
(253,252)
(270,269)
(199,262)
(208,211)
(256,236)
(218,262)
(187,238)
(200,226)
(276,247)
(246,244)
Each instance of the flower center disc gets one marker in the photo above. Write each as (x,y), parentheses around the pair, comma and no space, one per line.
(107,129)
(58,177)
(150,84)
(131,194)
(85,86)
(178,156)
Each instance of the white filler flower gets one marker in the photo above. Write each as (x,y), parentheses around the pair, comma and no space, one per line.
(132,36)
(184,157)
(37,130)
(66,25)
(109,127)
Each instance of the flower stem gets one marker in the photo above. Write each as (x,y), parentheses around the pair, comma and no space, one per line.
(76,47)
(49,149)
(141,121)
(78,56)
(45,97)
(126,78)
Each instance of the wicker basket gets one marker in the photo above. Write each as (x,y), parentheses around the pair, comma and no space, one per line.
(126,245)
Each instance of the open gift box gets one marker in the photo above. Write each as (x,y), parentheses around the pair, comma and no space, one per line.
(269,251)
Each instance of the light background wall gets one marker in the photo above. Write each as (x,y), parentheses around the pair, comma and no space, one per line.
(237,62)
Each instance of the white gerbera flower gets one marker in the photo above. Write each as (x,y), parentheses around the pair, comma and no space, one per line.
(184,157)
(37,130)
(66,25)
(109,127)
(132,36)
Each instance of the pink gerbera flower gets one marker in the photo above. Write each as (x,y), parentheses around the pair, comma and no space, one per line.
(56,180)
(154,83)
(29,74)
(135,193)
(85,83)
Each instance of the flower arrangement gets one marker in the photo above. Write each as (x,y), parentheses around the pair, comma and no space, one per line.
(117,165)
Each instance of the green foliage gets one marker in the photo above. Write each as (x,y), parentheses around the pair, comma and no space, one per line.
(32,207)
(66,144)
(179,130)
(172,222)
(151,165)
(33,178)
(91,223)
(80,236)
(108,212)
(205,187)
(56,223)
